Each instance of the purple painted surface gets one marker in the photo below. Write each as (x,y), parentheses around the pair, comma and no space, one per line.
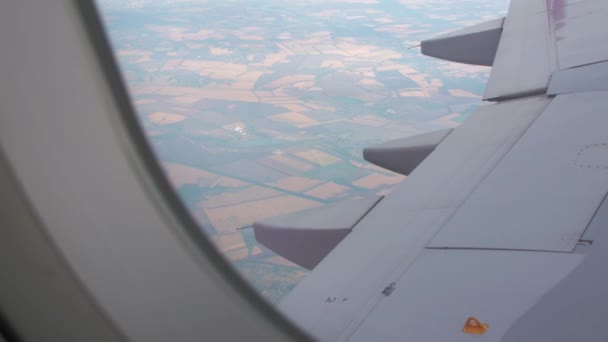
(578,29)
(557,15)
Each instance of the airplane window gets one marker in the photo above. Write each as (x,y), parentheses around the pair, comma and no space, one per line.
(262,108)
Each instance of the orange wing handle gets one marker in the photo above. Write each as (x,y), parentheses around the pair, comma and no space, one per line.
(474,326)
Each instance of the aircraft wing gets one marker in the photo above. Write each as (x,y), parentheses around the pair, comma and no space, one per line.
(501,218)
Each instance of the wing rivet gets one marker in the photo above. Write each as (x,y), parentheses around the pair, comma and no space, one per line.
(474,326)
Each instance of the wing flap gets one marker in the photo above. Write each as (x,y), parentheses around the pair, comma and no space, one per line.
(545,191)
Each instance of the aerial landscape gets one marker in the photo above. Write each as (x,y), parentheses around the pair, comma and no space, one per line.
(261,108)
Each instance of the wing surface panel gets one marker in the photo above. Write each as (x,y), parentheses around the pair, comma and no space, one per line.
(332,301)
(577,307)
(433,300)
(525,7)
(580,31)
(588,78)
(526,56)
(546,190)
(541,37)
